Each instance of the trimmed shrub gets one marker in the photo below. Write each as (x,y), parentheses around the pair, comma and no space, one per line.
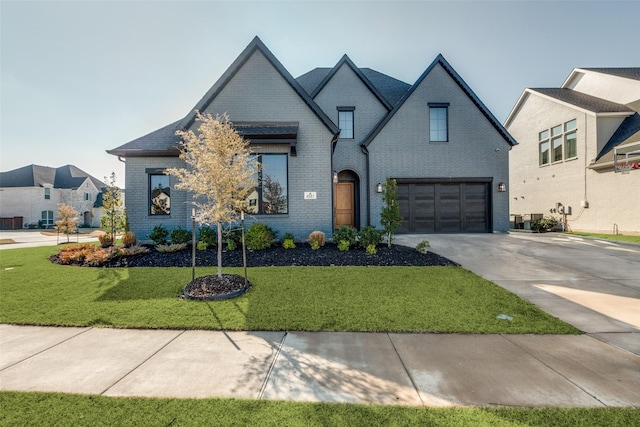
(134,250)
(159,234)
(233,235)
(314,245)
(422,247)
(180,235)
(372,249)
(543,225)
(202,246)
(288,244)
(345,233)
(317,237)
(128,239)
(259,236)
(208,235)
(105,240)
(344,245)
(369,236)
(232,245)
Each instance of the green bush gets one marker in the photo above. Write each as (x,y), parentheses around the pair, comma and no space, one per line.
(202,246)
(369,236)
(544,224)
(314,245)
(345,233)
(180,235)
(422,247)
(372,249)
(159,234)
(259,236)
(288,236)
(231,245)
(233,235)
(288,244)
(317,238)
(208,235)
(343,245)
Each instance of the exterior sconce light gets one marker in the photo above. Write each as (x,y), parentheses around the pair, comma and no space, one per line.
(379,188)
(335,177)
(502,187)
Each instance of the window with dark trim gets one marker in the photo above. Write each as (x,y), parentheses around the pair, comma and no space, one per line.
(345,122)
(557,143)
(438,122)
(47,193)
(272,194)
(159,194)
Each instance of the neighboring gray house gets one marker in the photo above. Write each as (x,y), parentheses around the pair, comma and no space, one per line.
(329,138)
(33,193)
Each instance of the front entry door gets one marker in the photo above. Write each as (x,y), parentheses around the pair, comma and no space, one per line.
(345,204)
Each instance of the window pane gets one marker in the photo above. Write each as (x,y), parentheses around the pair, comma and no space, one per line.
(557,149)
(274,184)
(345,123)
(160,195)
(438,124)
(570,145)
(47,193)
(556,130)
(544,153)
(570,125)
(544,135)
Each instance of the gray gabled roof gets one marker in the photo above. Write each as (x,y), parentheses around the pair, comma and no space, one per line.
(161,142)
(65,177)
(388,89)
(583,101)
(257,44)
(628,73)
(465,88)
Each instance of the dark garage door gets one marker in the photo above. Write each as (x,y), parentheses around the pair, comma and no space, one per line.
(451,207)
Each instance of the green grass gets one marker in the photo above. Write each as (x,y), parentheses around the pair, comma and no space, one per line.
(48,409)
(616,237)
(404,299)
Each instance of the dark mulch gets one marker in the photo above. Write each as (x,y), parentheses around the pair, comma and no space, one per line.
(215,287)
(277,256)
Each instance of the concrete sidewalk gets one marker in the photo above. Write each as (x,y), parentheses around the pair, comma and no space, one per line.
(372,368)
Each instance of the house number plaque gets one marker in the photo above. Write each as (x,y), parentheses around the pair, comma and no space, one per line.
(309,195)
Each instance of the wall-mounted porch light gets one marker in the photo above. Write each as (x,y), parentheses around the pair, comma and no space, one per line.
(335,177)
(379,188)
(502,187)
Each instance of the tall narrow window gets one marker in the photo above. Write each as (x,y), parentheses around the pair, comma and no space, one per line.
(543,141)
(47,193)
(159,195)
(272,194)
(438,123)
(570,140)
(345,122)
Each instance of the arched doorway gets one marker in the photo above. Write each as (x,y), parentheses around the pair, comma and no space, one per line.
(346,199)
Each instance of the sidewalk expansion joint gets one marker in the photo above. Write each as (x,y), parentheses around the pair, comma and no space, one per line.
(413,383)
(566,378)
(142,363)
(48,348)
(272,366)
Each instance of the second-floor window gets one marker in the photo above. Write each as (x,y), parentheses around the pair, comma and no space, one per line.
(345,122)
(438,123)
(47,193)
(558,143)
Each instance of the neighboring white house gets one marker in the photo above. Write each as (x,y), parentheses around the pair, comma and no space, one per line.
(578,152)
(33,193)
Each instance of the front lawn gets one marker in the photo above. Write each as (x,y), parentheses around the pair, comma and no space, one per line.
(45,409)
(403,299)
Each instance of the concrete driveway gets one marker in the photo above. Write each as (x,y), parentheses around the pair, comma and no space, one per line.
(14,239)
(589,283)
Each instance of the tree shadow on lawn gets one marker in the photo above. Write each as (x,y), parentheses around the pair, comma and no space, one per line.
(141,283)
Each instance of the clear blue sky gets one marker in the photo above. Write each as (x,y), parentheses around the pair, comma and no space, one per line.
(81,77)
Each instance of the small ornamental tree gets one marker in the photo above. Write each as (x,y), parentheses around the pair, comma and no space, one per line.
(221,174)
(113,217)
(68,219)
(390,218)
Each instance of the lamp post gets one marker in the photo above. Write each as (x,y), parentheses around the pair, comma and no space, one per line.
(193,244)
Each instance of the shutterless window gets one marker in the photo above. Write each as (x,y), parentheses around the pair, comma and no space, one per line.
(272,194)
(345,123)
(47,218)
(159,195)
(47,193)
(438,126)
(570,140)
(543,144)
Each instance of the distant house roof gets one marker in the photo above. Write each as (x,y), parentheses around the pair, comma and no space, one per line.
(583,101)
(65,177)
(628,73)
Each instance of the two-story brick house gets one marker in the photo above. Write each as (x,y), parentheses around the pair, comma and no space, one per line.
(330,137)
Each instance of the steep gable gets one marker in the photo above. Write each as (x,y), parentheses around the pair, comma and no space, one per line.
(462,85)
(66,177)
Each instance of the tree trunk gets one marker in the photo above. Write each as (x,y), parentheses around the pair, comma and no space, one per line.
(219,249)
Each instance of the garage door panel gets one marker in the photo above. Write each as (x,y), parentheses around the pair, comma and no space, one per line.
(444,207)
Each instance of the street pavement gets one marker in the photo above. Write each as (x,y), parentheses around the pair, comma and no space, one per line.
(14,239)
(591,284)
